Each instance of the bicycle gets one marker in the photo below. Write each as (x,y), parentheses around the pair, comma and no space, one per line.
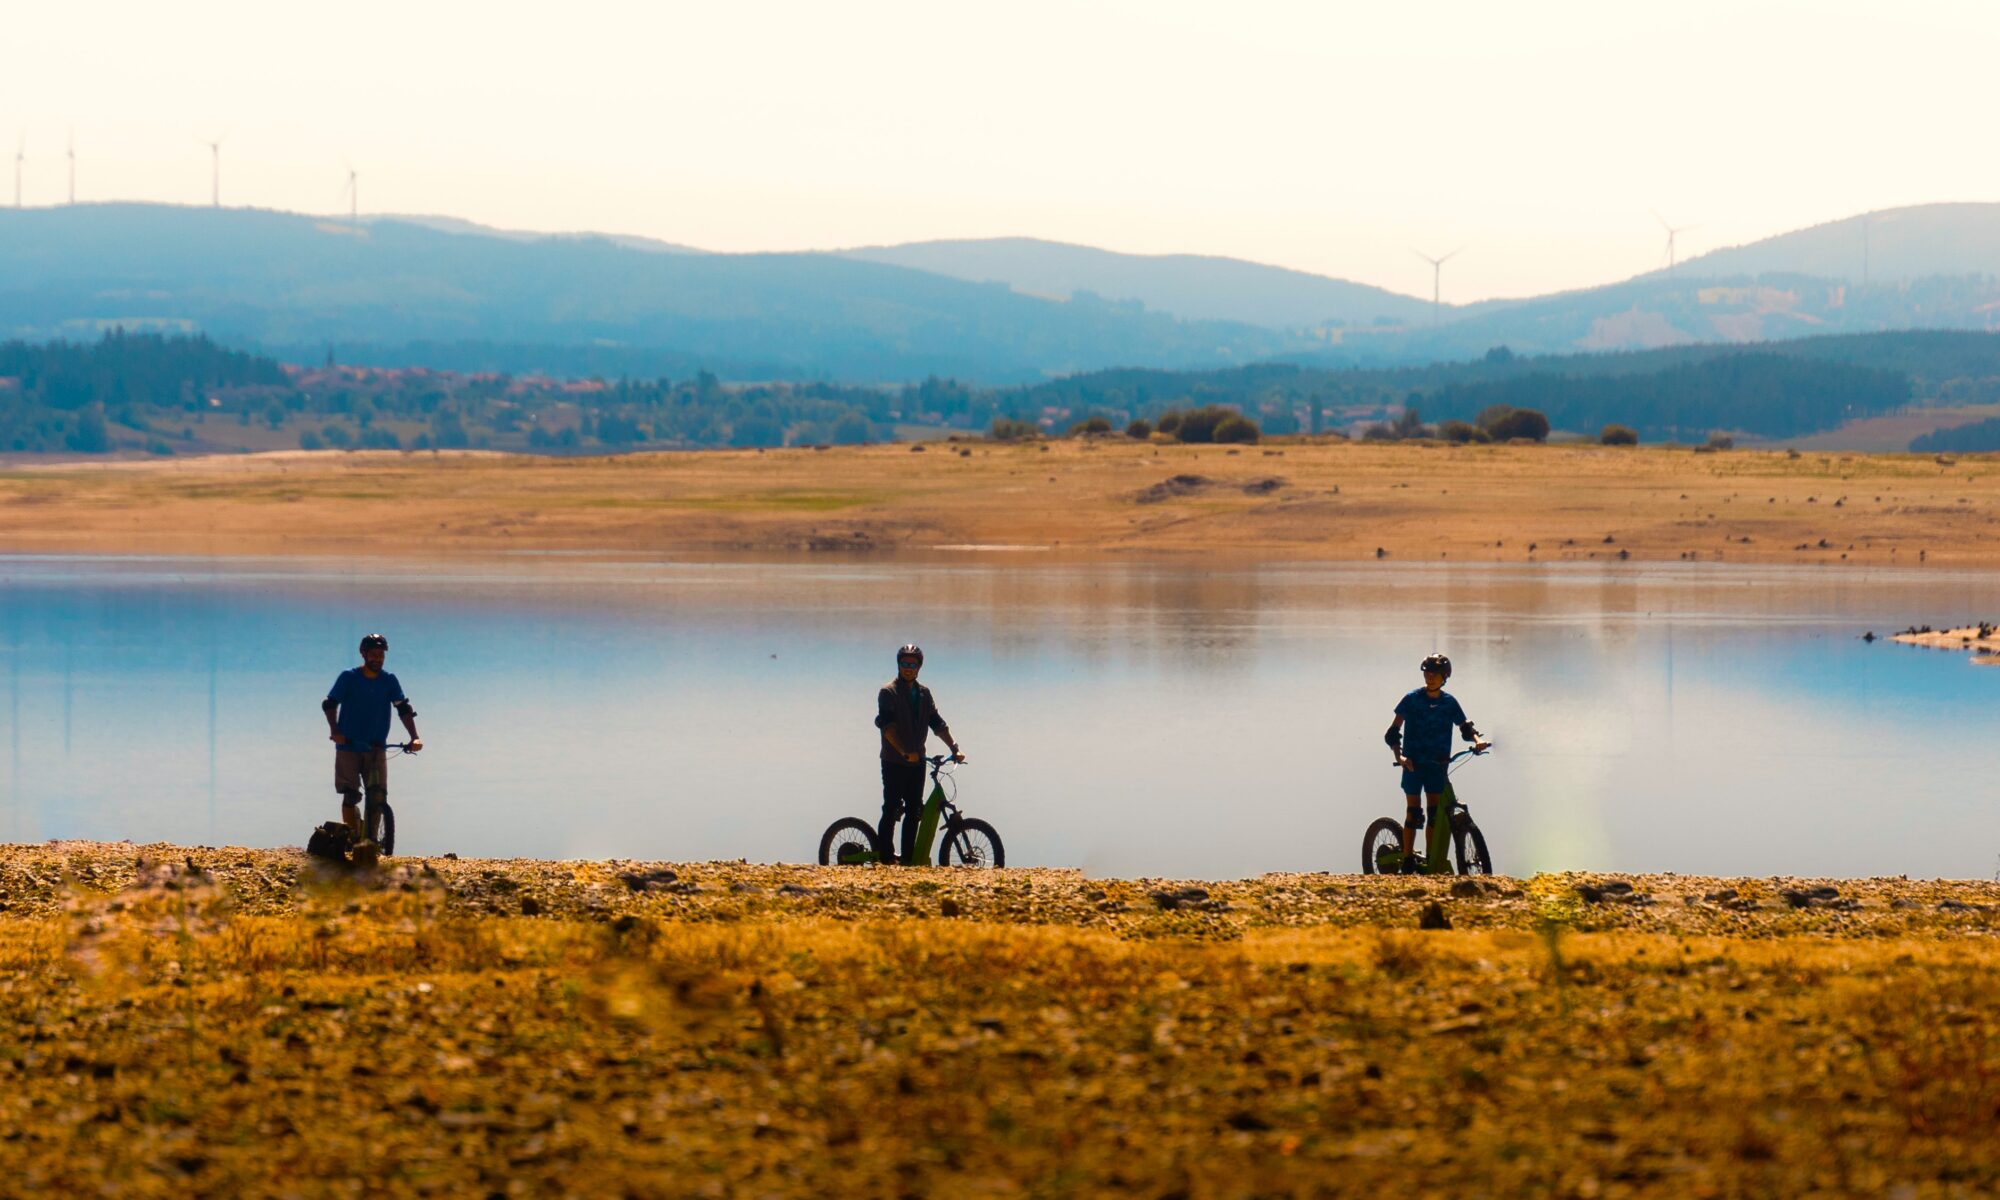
(967,842)
(1382,845)
(386,843)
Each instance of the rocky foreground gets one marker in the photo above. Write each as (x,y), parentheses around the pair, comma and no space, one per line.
(244,1022)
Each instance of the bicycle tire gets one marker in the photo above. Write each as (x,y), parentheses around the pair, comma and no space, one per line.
(860,834)
(971,842)
(388,839)
(1388,828)
(1466,835)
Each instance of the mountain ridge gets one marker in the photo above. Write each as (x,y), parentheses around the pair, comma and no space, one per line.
(1192,286)
(283,281)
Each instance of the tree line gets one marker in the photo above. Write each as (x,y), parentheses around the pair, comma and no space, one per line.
(1682,394)
(1980,437)
(173,394)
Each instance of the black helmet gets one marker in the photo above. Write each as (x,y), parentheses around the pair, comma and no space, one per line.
(910,650)
(1438,663)
(374,641)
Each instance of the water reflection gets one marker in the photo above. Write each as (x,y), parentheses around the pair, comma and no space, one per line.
(1127,718)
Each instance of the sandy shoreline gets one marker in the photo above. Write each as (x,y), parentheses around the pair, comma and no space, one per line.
(42,879)
(1981,641)
(1067,501)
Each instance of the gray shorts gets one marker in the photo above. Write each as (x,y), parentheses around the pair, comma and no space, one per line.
(353,768)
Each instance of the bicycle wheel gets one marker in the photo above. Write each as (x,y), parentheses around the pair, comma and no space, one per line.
(388,839)
(971,842)
(1382,848)
(848,842)
(1469,845)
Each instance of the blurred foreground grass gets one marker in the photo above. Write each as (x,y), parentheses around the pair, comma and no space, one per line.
(230,1022)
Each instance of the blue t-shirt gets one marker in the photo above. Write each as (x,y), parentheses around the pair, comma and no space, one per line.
(364,706)
(1427,724)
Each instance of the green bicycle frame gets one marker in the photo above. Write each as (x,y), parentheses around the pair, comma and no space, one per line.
(927,823)
(1439,834)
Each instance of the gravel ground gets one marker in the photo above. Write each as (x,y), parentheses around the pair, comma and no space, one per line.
(41,880)
(183,1022)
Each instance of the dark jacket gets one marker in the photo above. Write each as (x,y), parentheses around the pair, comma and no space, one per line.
(912,721)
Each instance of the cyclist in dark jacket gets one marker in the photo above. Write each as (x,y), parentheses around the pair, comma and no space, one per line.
(1430,712)
(906,715)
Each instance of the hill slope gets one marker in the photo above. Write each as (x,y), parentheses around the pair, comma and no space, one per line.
(1889,246)
(408,294)
(1195,287)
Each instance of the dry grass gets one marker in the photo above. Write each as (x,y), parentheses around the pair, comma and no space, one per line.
(240,1027)
(1294,501)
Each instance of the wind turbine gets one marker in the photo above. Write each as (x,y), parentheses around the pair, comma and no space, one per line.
(353,195)
(215,170)
(72,166)
(1671,231)
(1437,270)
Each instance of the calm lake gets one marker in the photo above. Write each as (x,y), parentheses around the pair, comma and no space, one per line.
(1127,719)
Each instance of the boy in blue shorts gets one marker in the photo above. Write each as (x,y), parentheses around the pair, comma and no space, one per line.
(1430,712)
(357,722)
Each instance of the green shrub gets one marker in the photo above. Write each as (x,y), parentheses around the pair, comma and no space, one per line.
(1462,431)
(1618,435)
(1139,429)
(1721,441)
(1090,425)
(1504,423)
(308,440)
(1199,425)
(1237,428)
(1170,422)
(1006,429)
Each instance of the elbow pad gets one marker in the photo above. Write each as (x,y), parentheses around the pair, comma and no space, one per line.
(329,707)
(403,707)
(1394,739)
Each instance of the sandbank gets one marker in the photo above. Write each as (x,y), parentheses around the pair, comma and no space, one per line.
(1072,499)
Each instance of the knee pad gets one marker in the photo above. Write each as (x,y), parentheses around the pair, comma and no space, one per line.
(1413,817)
(350,799)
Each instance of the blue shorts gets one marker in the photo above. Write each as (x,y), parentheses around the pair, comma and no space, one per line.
(1428,777)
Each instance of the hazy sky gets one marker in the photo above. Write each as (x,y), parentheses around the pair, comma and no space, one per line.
(1324,136)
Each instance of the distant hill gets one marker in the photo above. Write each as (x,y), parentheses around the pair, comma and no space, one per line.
(475,229)
(1196,287)
(1934,266)
(402,293)
(1886,247)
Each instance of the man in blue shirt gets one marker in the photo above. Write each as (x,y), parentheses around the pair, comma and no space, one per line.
(357,722)
(1430,712)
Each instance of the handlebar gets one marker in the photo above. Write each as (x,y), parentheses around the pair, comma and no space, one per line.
(1467,752)
(938,760)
